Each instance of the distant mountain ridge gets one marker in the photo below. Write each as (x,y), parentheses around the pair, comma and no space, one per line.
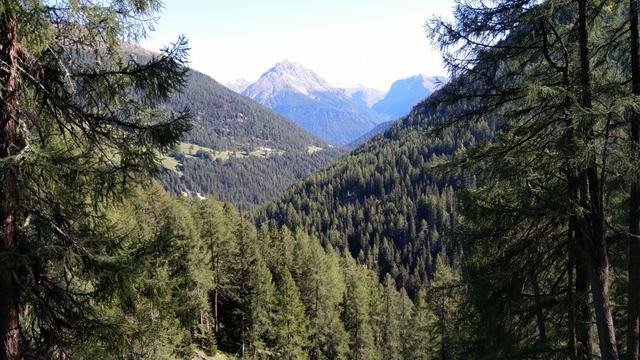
(404,94)
(335,115)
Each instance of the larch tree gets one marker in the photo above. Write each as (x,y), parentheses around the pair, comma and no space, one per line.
(263,306)
(526,66)
(392,317)
(291,325)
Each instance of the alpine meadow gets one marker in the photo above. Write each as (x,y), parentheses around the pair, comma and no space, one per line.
(392,180)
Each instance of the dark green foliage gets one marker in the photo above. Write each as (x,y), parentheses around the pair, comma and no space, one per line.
(542,230)
(383,202)
(358,313)
(79,128)
(199,279)
(227,121)
(290,322)
(245,182)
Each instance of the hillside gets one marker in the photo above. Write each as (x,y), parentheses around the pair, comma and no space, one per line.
(336,115)
(225,120)
(238,150)
(379,129)
(383,202)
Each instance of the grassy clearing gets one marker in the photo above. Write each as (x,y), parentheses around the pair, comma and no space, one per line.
(311,149)
(191,150)
(170,163)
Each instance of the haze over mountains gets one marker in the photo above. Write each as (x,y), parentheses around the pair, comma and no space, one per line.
(340,116)
(406,93)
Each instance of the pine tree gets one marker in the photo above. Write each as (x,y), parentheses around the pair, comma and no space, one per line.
(405,314)
(78,121)
(220,250)
(392,317)
(321,290)
(263,306)
(356,313)
(633,326)
(528,66)
(243,269)
(423,333)
(160,287)
(290,322)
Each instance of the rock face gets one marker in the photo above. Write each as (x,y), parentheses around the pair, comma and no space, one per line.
(406,93)
(335,115)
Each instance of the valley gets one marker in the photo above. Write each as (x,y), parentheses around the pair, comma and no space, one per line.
(150,212)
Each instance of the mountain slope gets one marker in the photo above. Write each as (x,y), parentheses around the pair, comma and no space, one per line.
(404,94)
(382,201)
(301,95)
(379,129)
(238,150)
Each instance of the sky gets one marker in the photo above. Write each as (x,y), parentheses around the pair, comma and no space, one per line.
(346,42)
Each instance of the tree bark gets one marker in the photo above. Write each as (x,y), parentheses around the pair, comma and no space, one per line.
(216,318)
(9,311)
(580,345)
(542,329)
(572,318)
(592,225)
(583,331)
(633,323)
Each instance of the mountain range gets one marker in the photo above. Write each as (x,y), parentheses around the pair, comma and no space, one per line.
(340,116)
(335,115)
(238,85)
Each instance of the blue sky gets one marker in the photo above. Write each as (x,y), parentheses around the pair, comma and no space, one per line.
(347,42)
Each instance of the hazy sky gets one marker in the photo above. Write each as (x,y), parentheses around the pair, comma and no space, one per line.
(347,42)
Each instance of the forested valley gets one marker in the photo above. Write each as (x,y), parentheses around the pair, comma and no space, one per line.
(500,219)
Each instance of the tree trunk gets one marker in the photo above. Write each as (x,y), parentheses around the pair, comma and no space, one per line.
(633,324)
(583,331)
(216,319)
(592,225)
(9,311)
(572,322)
(542,329)
(580,346)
